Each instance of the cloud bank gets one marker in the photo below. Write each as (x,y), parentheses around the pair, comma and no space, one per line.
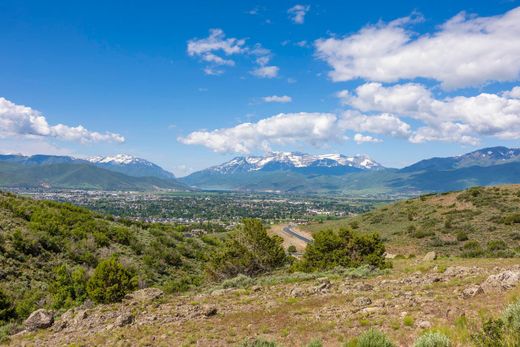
(18,120)
(464,51)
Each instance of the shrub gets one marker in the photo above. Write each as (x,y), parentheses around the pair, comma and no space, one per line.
(344,248)
(374,338)
(496,245)
(291,249)
(258,343)
(241,281)
(433,339)
(247,250)
(492,334)
(315,343)
(7,311)
(472,249)
(408,321)
(110,282)
(69,287)
(462,236)
(511,316)
(513,218)
(182,283)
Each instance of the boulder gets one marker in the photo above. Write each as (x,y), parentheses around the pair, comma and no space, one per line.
(365,287)
(39,319)
(430,256)
(424,324)
(123,319)
(472,291)
(361,301)
(297,292)
(502,281)
(323,286)
(209,311)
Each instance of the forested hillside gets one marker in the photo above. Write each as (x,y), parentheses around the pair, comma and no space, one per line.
(49,250)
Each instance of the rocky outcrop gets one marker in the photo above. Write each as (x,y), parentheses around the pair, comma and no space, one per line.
(361,301)
(472,291)
(502,281)
(39,319)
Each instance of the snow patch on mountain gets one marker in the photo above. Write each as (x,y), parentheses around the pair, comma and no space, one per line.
(291,160)
(121,159)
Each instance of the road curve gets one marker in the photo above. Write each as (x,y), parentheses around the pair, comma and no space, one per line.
(291,232)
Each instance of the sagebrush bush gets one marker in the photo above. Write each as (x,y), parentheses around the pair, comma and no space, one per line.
(374,338)
(240,281)
(258,343)
(433,339)
(511,316)
(110,282)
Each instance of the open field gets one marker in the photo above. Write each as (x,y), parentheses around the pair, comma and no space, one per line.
(294,310)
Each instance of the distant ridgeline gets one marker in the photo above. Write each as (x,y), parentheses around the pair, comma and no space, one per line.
(359,175)
(120,172)
(278,172)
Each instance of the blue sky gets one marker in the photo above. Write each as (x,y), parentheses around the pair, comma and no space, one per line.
(397,81)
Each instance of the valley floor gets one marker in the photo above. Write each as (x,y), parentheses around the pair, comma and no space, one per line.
(294,310)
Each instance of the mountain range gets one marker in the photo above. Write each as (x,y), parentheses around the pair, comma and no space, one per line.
(359,175)
(121,172)
(275,172)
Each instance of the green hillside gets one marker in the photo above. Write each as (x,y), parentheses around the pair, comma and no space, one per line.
(475,222)
(78,176)
(38,237)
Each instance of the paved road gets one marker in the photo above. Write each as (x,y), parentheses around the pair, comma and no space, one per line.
(291,232)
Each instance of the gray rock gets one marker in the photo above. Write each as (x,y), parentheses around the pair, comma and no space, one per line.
(210,311)
(430,256)
(123,319)
(363,287)
(472,291)
(502,281)
(297,292)
(424,324)
(39,319)
(361,301)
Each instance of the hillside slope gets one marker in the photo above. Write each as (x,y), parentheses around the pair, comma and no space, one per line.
(78,176)
(448,223)
(38,236)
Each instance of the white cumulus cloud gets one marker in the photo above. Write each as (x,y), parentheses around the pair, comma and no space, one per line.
(360,138)
(460,119)
(18,120)
(285,128)
(266,71)
(297,13)
(277,98)
(216,51)
(465,51)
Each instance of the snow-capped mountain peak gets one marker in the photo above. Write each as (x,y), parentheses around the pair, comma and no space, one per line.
(295,161)
(121,159)
(130,165)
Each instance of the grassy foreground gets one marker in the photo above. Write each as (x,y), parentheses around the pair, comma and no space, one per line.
(294,310)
